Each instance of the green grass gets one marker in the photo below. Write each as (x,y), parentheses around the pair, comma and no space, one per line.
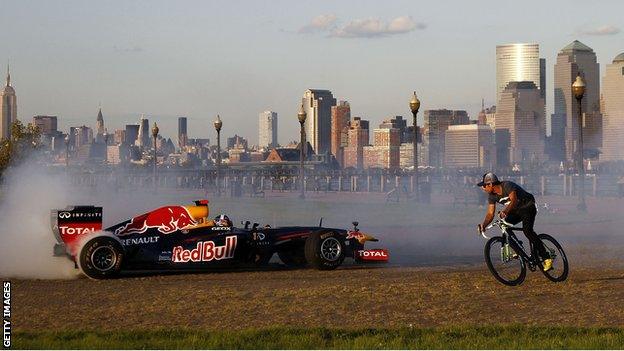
(490,337)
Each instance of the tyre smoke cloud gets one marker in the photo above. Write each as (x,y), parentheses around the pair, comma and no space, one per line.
(28,194)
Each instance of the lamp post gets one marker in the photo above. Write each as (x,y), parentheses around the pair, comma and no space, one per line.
(301,116)
(218,124)
(578,88)
(155,135)
(414,106)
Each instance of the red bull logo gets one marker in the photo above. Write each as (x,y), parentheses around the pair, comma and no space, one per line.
(205,251)
(167,219)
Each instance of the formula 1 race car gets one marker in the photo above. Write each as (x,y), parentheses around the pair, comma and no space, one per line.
(185,238)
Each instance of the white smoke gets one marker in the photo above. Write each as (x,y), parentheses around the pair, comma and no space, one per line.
(27,195)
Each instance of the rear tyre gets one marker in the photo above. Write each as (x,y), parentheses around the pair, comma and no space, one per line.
(560,269)
(101,258)
(325,250)
(504,264)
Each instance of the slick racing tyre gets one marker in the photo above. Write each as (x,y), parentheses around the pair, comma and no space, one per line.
(101,258)
(293,255)
(325,250)
(560,267)
(503,262)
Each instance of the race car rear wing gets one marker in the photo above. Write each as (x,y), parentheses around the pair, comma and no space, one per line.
(72,223)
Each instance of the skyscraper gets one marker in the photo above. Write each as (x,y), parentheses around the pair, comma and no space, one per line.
(435,126)
(182,132)
(520,113)
(143,139)
(613,100)
(267,129)
(358,136)
(317,105)
(573,59)
(470,145)
(99,123)
(340,116)
(8,108)
(47,124)
(519,62)
(132,134)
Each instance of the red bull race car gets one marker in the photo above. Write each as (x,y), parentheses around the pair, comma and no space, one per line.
(185,238)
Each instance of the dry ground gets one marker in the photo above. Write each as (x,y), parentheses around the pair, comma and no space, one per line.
(350,297)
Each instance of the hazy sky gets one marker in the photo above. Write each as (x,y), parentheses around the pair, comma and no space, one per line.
(238,58)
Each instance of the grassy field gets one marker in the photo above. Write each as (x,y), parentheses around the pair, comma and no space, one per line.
(491,337)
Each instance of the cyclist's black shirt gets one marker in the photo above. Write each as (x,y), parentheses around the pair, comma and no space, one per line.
(525,199)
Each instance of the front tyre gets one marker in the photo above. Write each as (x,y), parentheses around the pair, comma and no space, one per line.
(101,258)
(325,250)
(505,264)
(560,267)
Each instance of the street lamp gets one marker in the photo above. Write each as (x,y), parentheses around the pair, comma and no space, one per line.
(414,106)
(578,88)
(218,124)
(155,135)
(301,116)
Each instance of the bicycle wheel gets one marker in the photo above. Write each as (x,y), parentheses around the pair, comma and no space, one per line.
(560,268)
(506,266)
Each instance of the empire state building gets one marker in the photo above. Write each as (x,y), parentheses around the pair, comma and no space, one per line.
(8,108)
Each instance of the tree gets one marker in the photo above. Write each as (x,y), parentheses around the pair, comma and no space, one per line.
(24,140)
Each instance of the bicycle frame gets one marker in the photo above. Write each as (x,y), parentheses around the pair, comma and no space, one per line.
(507,230)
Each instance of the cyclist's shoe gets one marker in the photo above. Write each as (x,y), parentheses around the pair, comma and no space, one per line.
(514,255)
(547,264)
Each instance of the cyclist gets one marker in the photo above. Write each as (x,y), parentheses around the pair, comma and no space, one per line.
(519,207)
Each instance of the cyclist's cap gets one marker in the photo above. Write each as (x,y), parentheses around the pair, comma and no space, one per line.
(489,178)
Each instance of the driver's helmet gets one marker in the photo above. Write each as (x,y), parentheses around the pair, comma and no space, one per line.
(223,220)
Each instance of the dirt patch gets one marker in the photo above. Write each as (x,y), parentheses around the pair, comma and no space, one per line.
(347,298)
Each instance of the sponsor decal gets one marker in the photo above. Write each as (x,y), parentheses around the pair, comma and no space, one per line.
(166,219)
(6,314)
(82,215)
(205,251)
(222,228)
(259,236)
(75,230)
(164,256)
(326,235)
(373,255)
(140,241)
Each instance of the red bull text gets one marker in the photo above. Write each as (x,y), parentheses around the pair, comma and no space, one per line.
(205,251)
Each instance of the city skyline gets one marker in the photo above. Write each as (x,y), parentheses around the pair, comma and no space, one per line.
(131,63)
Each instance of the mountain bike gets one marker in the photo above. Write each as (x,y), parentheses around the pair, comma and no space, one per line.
(507,259)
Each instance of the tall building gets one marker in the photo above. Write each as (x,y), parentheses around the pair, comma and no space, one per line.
(385,151)
(470,145)
(576,58)
(99,123)
(520,113)
(236,142)
(182,132)
(8,108)
(317,105)
(83,136)
(519,62)
(358,136)
(436,122)
(131,134)
(47,124)
(267,129)
(613,101)
(340,117)
(143,139)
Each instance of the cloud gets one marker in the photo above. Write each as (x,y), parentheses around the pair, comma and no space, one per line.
(602,30)
(319,24)
(374,27)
